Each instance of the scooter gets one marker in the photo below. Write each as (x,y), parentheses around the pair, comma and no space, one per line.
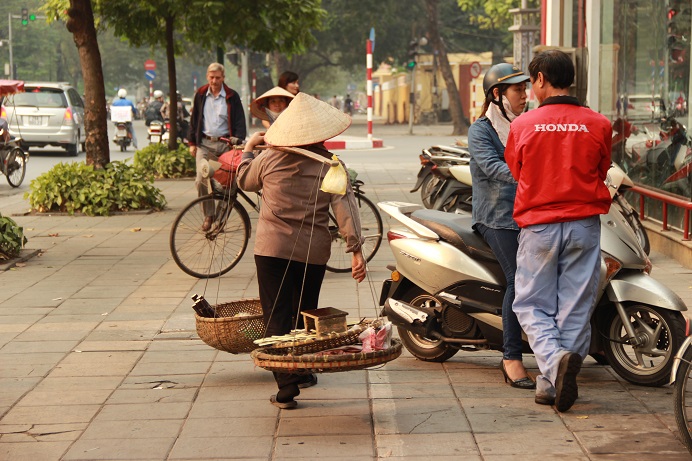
(156,131)
(455,192)
(618,182)
(122,136)
(446,291)
(432,158)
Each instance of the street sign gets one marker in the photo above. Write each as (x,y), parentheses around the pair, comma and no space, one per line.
(150,75)
(475,69)
(372,38)
(149,64)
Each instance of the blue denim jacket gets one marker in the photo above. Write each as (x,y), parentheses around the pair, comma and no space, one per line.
(494,188)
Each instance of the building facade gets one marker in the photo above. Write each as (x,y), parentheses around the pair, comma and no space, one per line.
(636,66)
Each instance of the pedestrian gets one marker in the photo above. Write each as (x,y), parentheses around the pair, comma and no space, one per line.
(334,101)
(559,154)
(494,190)
(348,105)
(293,242)
(216,112)
(122,101)
(289,81)
(269,105)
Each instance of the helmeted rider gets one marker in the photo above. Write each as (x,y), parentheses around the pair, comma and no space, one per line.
(122,101)
(153,110)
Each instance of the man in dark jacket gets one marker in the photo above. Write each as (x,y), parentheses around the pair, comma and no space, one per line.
(216,112)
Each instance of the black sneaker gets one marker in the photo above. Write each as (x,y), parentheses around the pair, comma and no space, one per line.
(566,389)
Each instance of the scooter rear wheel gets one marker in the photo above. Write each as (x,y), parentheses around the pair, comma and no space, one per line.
(426,349)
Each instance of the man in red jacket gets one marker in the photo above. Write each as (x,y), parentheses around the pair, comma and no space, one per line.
(559,154)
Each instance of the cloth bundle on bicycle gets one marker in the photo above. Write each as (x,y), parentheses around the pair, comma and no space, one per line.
(229,161)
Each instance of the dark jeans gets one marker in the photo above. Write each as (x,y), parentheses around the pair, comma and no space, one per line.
(505,244)
(281,309)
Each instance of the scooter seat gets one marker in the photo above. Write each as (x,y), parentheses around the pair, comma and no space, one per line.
(456,230)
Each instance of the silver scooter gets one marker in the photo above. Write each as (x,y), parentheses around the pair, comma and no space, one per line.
(446,292)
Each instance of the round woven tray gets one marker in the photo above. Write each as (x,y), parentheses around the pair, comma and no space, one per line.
(331,341)
(278,360)
(232,334)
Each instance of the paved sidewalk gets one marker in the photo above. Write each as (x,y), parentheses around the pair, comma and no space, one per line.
(99,359)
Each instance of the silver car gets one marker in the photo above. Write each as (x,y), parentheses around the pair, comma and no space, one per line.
(47,114)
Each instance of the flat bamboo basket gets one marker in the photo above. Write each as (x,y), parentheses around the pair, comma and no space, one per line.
(280,360)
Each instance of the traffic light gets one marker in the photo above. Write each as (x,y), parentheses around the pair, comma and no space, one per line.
(25,16)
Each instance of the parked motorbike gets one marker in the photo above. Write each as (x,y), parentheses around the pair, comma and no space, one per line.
(455,190)
(156,131)
(167,130)
(428,182)
(446,292)
(618,182)
(122,136)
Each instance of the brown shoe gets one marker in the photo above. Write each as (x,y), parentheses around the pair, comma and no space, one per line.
(566,389)
(207,223)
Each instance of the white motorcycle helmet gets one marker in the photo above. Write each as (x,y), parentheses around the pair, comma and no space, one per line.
(122,93)
(158,94)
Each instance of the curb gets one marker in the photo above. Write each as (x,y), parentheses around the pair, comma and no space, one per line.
(352,142)
(24,255)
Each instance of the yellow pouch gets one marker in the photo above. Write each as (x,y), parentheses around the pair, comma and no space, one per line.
(336,179)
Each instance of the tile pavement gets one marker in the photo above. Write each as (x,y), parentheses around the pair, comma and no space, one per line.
(99,360)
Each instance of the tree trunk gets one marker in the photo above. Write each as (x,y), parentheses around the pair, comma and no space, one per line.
(81,25)
(172,84)
(460,125)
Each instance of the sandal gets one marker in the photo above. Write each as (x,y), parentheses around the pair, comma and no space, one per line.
(283,405)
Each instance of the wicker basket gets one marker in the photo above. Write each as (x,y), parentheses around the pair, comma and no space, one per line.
(280,361)
(232,334)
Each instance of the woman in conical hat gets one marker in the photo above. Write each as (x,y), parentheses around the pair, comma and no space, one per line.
(293,242)
(269,105)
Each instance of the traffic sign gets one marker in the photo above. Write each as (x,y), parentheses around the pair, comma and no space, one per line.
(475,69)
(150,75)
(149,64)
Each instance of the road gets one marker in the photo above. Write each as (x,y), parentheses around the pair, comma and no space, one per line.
(401,151)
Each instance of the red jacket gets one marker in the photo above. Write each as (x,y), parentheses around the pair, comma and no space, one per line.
(559,154)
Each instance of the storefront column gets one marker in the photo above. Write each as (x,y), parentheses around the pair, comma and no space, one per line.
(593,45)
(553,23)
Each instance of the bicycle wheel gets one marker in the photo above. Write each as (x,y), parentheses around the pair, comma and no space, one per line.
(16,167)
(682,399)
(211,253)
(370,230)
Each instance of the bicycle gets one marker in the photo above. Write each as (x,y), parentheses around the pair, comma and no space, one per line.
(682,392)
(13,161)
(214,252)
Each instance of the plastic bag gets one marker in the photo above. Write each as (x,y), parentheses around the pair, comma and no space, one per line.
(336,179)
(229,163)
(376,340)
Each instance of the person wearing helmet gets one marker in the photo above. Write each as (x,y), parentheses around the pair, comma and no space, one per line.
(153,110)
(494,190)
(122,101)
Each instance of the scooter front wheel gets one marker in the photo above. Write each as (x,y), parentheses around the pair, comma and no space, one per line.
(660,334)
(426,349)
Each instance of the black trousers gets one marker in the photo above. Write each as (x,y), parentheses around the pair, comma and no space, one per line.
(281,309)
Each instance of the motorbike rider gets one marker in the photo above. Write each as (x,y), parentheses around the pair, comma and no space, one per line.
(183,125)
(153,110)
(122,101)
(559,154)
(494,190)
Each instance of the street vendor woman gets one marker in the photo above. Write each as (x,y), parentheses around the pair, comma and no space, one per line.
(292,243)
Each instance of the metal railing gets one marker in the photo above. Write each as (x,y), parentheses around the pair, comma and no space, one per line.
(667,200)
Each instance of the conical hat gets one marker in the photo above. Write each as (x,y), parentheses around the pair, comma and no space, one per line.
(306,121)
(257,106)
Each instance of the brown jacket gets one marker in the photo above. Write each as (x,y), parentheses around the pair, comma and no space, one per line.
(290,226)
